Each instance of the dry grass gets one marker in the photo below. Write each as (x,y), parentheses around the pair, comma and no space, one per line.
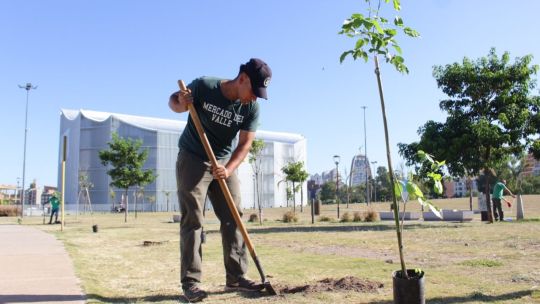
(9,210)
(469,262)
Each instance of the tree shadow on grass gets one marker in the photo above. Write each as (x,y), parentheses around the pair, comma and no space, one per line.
(474,297)
(341,228)
(177,298)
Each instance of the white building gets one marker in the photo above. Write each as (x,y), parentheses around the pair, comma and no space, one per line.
(88,132)
(360,170)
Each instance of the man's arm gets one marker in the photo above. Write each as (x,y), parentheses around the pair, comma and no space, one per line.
(178,101)
(508,190)
(238,155)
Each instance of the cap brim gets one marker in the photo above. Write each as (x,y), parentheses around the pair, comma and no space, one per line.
(260,92)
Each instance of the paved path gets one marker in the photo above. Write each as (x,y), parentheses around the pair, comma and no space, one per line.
(35,268)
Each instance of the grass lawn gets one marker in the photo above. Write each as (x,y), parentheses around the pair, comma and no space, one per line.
(470,262)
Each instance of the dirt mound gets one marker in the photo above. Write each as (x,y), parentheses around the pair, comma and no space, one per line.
(349,283)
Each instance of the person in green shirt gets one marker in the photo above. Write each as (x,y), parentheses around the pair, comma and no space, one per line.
(497,196)
(226,108)
(55,206)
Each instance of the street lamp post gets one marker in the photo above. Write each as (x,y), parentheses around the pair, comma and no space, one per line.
(336,161)
(374,183)
(27,87)
(366,159)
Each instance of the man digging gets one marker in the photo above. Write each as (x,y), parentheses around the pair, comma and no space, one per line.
(226,108)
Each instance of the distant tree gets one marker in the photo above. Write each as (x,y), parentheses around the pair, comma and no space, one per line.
(328,192)
(255,159)
(126,161)
(491,115)
(295,173)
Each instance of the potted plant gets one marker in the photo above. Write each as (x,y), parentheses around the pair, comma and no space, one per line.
(376,36)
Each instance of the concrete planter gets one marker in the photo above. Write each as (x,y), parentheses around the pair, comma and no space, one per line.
(409,216)
(430,216)
(458,215)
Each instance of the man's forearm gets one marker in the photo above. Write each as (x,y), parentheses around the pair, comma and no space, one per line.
(237,157)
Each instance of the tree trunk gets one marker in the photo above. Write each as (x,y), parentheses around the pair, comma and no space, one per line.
(487,173)
(301,198)
(391,171)
(294,197)
(125,205)
(469,181)
(135,198)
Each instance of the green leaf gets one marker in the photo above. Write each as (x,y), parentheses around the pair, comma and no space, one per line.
(378,27)
(390,33)
(344,55)
(413,190)
(438,187)
(410,32)
(359,44)
(398,189)
(397,48)
(397,6)
(398,21)
(434,176)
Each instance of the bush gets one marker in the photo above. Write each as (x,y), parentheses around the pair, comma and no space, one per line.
(357,217)
(371,216)
(324,218)
(9,210)
(289,217)
(253,218)
(346,217)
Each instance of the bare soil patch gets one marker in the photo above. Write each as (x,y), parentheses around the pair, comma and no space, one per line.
(349,283)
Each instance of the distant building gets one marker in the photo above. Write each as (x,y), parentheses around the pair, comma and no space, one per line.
(458,187)
(32,195)
(360,170)
(531,167)
(88,132)
(48,191)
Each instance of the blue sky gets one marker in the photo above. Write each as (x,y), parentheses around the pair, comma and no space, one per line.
(126,56)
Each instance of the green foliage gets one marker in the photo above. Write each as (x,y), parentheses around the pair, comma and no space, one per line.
(377,35)
(491,114)
(126,162)
(295,173)
(432,173)
(255,151)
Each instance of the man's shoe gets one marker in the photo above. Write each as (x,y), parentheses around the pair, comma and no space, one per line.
(194,294)
(244,285)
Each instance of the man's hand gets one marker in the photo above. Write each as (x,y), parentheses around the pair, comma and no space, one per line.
(220,172)
(178,102)
(184,97)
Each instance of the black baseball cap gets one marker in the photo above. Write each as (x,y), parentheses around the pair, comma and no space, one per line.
(259,74)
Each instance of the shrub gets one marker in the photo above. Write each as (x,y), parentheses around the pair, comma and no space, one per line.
(289,217)
(9,210)
(357,217)
(371,216)
(253,218)
(324,218)
(346,217)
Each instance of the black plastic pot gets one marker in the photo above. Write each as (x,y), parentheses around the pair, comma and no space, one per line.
(409,291)
(95,228)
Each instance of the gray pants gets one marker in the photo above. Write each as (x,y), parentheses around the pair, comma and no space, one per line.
(194,180)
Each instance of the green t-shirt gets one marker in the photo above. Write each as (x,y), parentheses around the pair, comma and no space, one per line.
(221,118)
(498,190)
(55,202)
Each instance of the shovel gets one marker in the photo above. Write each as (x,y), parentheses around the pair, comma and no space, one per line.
(227,194)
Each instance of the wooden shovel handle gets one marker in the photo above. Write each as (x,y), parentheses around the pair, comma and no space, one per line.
(222,183)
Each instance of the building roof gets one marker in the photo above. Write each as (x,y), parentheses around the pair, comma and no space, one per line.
(169,125)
